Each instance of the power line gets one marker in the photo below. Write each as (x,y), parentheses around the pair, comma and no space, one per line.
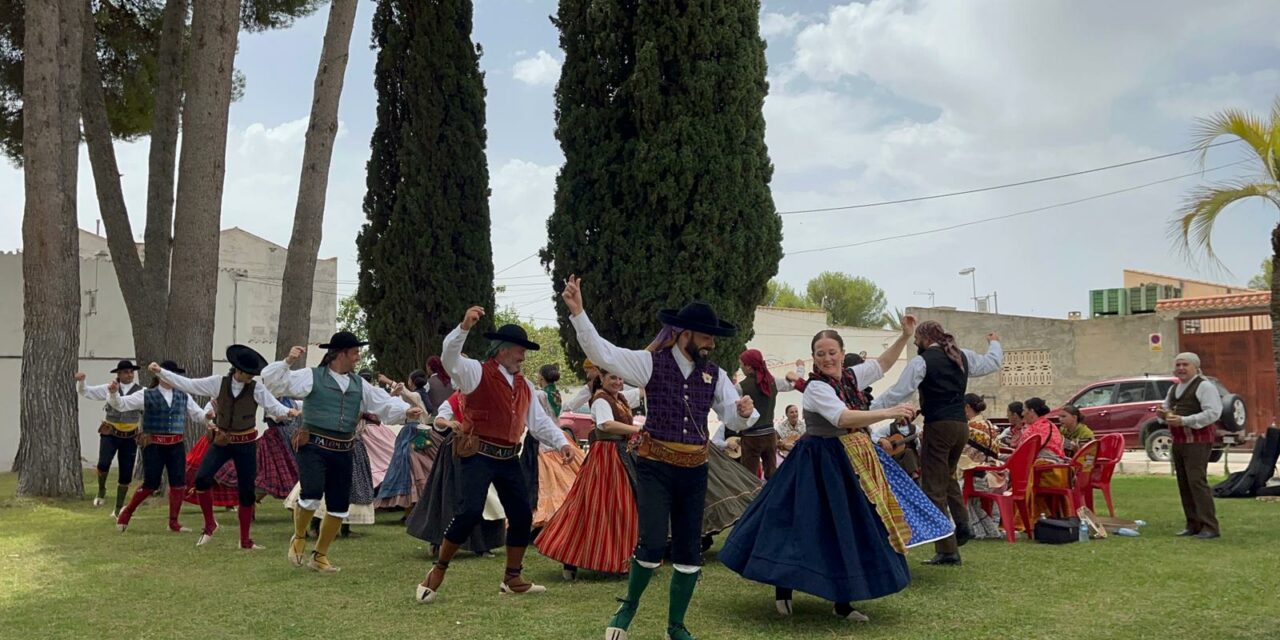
(1014,214)
(868,205)
(517,263)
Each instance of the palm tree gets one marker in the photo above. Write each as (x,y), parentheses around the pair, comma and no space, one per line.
(1193,228)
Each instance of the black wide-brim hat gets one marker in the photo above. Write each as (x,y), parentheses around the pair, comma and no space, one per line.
(246,359)
(515,334)
(699,317)
(125,365)
(169,365)
(343,340)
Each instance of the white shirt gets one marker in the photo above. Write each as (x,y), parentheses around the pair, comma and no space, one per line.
(821,398)
(466,374)
(886,429)
(636,366)
(283,382)
(786,430)
(979,365)
(138,402)
(99,392)
(583,396)
(211,386)
(1210,403)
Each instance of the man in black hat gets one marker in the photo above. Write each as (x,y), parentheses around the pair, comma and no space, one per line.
(233,435)
(165,413)
(682,386)
(497,406)
(334,398)
(117,435)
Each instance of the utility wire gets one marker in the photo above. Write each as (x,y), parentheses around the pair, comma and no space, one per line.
(1011,215)
(868,205)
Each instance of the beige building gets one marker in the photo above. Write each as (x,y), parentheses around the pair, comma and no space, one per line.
(1053,359)
(247,304)
(1190,288)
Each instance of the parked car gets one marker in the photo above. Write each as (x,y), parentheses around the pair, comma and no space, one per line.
(1127,406)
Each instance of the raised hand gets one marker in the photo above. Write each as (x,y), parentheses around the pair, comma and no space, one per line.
(993,337)
(80,376)
(113,386)
(909,323)
(295,353)
(154,368)
(573,295)
(745,406)
(472,317)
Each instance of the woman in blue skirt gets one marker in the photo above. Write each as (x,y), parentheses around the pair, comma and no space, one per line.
(831,522)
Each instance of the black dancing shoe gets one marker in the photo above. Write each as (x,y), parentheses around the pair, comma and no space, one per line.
(944,560)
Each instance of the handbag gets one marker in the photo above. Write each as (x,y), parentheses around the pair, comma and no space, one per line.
(300,438)
(1057,530)
(219,437)
(144,440)
(105,429)
(465,443)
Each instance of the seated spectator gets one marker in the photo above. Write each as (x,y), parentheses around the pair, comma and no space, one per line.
(1013,432)
(909,457)
(980,452)
(1035,412)
(1074,431)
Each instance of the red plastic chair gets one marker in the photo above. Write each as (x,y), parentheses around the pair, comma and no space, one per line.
(1015,496)
(1109,454)
(1079,474)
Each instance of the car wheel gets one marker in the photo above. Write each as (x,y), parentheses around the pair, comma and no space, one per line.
(1234,412)
(1159,445)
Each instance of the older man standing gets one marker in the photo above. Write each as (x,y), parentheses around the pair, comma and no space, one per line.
(1191,410)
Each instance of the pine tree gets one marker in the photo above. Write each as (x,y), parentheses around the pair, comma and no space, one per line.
(424,252)
(664,196)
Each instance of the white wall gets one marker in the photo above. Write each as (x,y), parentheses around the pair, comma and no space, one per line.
(251,270)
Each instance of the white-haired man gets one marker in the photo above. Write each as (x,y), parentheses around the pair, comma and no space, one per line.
(1191,410)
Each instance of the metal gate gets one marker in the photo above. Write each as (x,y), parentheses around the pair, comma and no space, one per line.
(1236,349)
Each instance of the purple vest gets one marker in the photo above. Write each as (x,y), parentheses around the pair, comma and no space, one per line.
(678,406)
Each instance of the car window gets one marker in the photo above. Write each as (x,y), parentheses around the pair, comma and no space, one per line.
(1095,397)
(1130,392)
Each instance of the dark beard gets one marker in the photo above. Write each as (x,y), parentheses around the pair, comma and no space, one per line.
(699,359)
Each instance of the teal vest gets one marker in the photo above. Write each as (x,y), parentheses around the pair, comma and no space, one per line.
(327,410)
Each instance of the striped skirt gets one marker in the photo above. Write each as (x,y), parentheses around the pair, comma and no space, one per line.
(597,526)
(555,480)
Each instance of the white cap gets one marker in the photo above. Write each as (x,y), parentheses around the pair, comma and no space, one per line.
(1189,357)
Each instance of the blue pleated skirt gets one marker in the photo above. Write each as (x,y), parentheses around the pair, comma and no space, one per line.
(927,522)
(399,478)
(812,529)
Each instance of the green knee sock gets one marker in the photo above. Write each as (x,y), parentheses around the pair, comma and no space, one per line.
(682,585)
(122,492)
(637,582)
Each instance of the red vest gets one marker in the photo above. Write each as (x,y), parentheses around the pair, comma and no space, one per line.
(496,411)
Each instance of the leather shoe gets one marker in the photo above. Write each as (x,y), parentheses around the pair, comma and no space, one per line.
(1208,535)
(1185,533)
(945,560)
(963,535)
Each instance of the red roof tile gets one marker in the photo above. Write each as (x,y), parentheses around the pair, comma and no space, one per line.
(1233,301)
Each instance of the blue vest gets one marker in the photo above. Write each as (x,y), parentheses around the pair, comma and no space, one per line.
(161,417)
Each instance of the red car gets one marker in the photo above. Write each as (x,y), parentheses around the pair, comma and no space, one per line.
(1128,406)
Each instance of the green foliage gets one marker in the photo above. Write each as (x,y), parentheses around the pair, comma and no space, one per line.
(780,294)
(664,195)
(1262,281)
(548,339)
(850,301)
(128,41)
(424,250)
(351,318)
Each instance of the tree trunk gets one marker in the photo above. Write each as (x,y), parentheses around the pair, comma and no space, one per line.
(49,440)
(308,218)
(150,333)
(215,25)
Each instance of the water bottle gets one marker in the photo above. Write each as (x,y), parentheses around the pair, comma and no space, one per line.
(1084,530)
(1127,532)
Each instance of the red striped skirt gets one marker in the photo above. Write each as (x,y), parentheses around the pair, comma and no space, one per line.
(597,526)
(223,495)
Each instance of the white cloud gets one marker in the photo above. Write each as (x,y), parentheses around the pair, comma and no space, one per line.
(778,25)
(541,69)
(522,198)
(1251,91)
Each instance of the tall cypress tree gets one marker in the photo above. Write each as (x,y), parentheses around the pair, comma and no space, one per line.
(664,196)
(424,252)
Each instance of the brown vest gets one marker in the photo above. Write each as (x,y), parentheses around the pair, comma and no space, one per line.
(496,411)
(621,413)
(239,413)
(1188,404)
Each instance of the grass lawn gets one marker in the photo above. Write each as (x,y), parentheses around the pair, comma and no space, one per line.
(66,573)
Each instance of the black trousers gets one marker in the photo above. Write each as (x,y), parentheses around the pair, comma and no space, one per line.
(159,458)
(325,474)
(244,456)
(507,477)
(670,498)
(126,448)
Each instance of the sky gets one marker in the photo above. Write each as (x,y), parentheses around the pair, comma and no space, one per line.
(869,101)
